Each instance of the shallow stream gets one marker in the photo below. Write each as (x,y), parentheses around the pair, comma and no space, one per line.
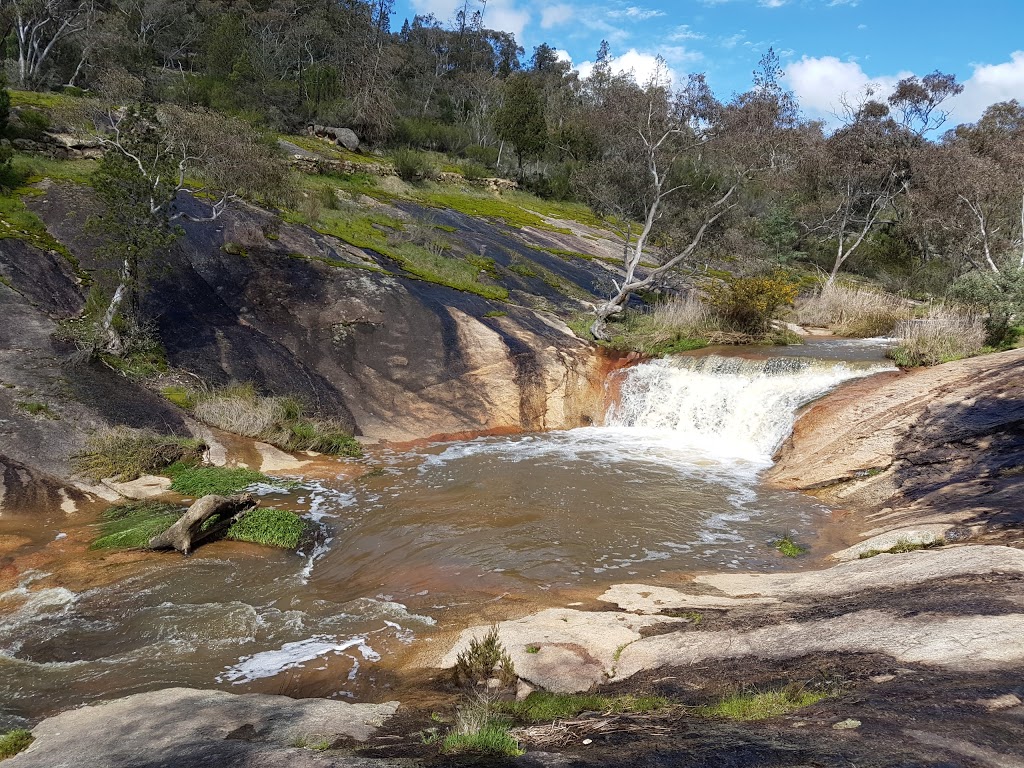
(669,484)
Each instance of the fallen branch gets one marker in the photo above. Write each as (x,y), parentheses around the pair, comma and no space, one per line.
(189,532)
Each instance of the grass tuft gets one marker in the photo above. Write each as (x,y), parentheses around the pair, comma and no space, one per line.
(132,525)
(37,409)
(761,706)
(788,548)
(269,527)
(943,335)
(491,739)
(190,480)
(125,454)
(13,742)
(852,311)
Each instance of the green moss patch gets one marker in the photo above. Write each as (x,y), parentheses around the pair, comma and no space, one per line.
(269,527)
(132,525)
(761,706)
(37,409)
(788,548)
(543,707)
(202,481)
(902,546)
(491,739)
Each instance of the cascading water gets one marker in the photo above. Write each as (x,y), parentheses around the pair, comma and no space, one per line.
(724,406)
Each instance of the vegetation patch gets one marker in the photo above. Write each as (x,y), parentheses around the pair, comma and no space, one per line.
(490,739)
(132,525)
(197,482)
(269,527)
(37,409)
(280,421)
(544,707)
(483,660)
(853,311)
(943,335)
(761,706)
(126,454)
(788,548)
(902,546)
(13,742)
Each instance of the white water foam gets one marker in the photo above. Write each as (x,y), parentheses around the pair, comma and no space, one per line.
(291,656)
(725,407)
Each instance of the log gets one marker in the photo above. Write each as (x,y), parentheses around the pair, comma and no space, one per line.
(187,533)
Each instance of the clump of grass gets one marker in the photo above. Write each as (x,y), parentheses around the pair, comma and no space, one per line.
(413,165)
(37,409)
(943,335)
(853,311)
(788,548)
(132,525)
(478,730)
(483,660)
(180,396)
(269,527)
(280,421)
(545,707)
(125,454)
(761,706)
(13,742)
(190,480)
(902,546)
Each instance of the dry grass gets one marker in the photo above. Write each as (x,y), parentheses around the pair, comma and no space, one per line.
(683,317)
(280,421)
(125,454)
(944,334)
(855,312)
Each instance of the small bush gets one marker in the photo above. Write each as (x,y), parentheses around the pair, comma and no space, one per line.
(474,171)
(132,525)
(202,481)
(126,454)
(490,739)
(750,304)
(269,527)
(943,335)
(854,312)
(37,409)
(483,660)
(902,546)
(13,742)
(761,706)
(412,165)
(1000,298)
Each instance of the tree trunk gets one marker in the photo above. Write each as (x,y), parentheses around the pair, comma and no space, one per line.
(186,534)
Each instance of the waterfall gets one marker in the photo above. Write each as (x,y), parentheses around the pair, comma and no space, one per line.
(725,405)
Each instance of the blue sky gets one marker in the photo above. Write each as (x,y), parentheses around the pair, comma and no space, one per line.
(828,47)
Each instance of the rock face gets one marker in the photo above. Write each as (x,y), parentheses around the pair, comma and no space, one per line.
(343,137)
(942,446)
(188,728)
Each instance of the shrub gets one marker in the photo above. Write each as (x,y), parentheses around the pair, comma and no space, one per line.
(269,527)
(944,334)
(202,481)
(682,317)
(412,165)
(854,312)
(483,660)
(125,454)
(750,304)
(473,171)
(1000,297)
(13,742)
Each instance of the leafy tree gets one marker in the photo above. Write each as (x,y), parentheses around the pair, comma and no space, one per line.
(520,118)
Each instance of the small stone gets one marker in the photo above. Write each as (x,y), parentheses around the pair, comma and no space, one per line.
(801,724)
(493,683)
(588,741)
(847,725)
(523,689)
(1009,701)
(882,678)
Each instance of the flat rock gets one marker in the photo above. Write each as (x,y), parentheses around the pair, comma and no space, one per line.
(644,598)
(275,460)
(185,727)
(145,487)
(577,649)
(918,534)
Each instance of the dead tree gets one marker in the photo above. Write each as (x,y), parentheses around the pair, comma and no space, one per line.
(189,532)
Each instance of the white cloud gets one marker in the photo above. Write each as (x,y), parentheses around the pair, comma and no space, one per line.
(640,65)
(822,84)
(635,13)
(772,3)
(733,40)
(556,15)
(504,15)
(562,55)
(683,32)
(989,84)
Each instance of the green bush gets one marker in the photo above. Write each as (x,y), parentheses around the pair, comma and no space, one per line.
(750,304)
(269,527)
(125,454)
(1001,298)
(412,165)
(13,742)
(483,660)
(943,335)
(431,134)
